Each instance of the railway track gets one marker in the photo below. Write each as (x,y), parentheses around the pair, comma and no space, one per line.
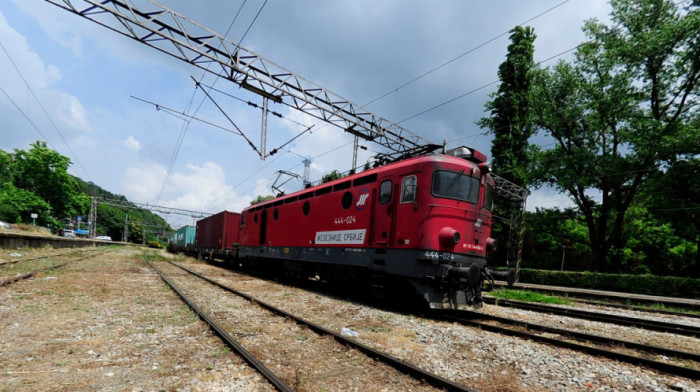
(514,328)
(652,325)
(418,374)
(607,296)
(33,273)
(636,308)
(59,254)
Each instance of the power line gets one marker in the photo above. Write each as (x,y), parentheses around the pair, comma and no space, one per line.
(186,124)
(421,76)
(251,23)
(27,117)
(44,111)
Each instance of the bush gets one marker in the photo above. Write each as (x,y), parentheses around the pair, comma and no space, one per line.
(669,286)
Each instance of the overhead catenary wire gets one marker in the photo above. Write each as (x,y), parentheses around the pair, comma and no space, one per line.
(421,76)
(43,109)
(186,124)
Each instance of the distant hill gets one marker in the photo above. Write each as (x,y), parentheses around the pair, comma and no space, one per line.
(111,219)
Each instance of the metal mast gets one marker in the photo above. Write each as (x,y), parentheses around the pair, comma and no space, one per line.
(136,206)
(180,37)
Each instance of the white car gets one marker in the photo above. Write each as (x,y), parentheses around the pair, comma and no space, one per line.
(103,237)
(69,233)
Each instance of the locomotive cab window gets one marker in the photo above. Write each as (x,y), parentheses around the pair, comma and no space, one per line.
(408,189)
(385,192)
(453,185)
(488,198)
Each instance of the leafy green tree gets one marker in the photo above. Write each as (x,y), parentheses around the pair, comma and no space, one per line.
(17,205)
(550,233)
(261,199)
(334,175)
(625,106)
(44,172)
(510,124)
(673,196)
(5,168)
(510,121)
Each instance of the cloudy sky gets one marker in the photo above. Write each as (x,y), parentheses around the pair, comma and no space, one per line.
(73,83)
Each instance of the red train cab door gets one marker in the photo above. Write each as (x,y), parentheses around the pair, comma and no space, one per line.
(384,214)
(405,221)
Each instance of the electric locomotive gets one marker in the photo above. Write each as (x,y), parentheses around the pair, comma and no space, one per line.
(425,219)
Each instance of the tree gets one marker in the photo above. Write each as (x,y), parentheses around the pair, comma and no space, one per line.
(621,110)
(673,196)
(510,121)
(17,205)
(44,172)
(511,125)
(334,175)
(261,199)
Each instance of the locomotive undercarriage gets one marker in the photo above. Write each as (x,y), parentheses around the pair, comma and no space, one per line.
(444,280)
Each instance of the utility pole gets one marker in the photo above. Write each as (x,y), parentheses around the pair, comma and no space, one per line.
(307,172)
(125,238)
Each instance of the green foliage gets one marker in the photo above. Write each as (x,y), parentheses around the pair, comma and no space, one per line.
(37,181)
(261,199)
(652,246)
(17,205)
(44,172)
(639,284)
(334,175)
(628,103)
(528,296)
(510,121)
(511,126)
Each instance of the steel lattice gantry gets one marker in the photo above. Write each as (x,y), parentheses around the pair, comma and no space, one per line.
(516,233)
(178,36)
(182,38)
(136,206)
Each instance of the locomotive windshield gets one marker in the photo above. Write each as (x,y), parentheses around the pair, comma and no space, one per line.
(453,185)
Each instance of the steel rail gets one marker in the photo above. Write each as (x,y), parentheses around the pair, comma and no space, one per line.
(653,325)
(51,268)
(575,292)
(431,378)
(29,275)
(653,364)
(637,308)
(247,356)
(2,263)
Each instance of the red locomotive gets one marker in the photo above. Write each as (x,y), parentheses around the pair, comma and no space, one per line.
(425,219)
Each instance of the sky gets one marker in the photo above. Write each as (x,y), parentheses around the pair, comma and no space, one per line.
(81,88)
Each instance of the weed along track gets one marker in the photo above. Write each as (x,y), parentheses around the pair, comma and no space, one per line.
(652,325)
(40,264)
(680,363)
(109,322)
(292,353)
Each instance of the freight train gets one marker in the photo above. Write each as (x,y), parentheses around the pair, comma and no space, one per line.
(424,220)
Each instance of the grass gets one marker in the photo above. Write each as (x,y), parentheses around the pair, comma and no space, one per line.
(528,296)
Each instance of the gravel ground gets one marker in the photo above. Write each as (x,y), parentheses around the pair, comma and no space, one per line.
(298,356)
(478,359)
(110,323)
(654,338)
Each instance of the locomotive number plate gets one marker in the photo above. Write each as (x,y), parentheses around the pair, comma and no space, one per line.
(446,256)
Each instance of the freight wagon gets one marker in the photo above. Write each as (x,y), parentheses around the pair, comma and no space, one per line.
(425,221)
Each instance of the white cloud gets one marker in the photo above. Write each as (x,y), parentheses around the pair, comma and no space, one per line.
(26,78)
(132,144)
(198,188)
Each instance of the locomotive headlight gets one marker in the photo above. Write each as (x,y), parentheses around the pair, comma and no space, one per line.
(490,244)
(449,236)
